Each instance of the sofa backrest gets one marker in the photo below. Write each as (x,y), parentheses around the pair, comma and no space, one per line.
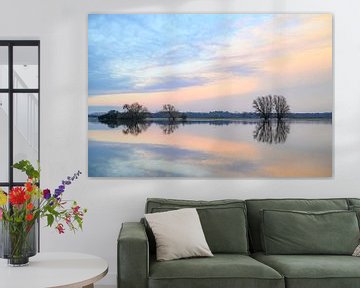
(223,221)
(353,202)
(256,205)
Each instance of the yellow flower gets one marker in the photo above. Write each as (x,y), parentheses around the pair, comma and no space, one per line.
(3,198)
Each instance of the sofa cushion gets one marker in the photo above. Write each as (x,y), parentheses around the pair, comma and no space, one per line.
(223,221)
(314,271)
(356,209)
(354,205)
(297,232)
(222,270)
(254,207)
(353,201)
(178,234)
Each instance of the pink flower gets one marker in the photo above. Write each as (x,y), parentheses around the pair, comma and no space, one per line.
(76,210)
(68,219)
(1,213)
(60,228)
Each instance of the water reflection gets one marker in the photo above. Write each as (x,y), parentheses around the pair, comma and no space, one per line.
(169,127)
(266,132)
(281,132)
(271,132)
(135,128)
(114,123)
(200,149)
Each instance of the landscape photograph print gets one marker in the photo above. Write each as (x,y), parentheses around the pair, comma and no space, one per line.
(210,95)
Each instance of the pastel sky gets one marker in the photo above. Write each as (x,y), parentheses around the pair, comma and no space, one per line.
(206,62)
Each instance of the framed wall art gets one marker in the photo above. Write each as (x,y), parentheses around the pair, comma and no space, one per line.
(210,95)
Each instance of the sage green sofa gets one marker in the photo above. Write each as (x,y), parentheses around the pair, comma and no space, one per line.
(233,230)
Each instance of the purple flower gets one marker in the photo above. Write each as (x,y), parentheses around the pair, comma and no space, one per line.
(58,192)
(64,183)
(46,194)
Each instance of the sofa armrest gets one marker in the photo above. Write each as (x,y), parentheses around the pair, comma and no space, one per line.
(133,256)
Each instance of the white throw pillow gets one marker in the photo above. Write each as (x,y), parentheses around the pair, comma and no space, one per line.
(178,234)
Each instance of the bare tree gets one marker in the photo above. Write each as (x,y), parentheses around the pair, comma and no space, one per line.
(171,112)
(280,106)
(135,111)
(263,105)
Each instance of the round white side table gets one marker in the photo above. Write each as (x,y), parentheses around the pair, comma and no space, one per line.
(50,270)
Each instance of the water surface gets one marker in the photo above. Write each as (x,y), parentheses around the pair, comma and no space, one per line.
(220,148)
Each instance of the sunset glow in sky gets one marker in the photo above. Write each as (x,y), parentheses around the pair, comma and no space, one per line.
(207,62)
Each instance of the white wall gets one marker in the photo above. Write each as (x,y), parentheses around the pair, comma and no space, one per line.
(61,25)
(3,141)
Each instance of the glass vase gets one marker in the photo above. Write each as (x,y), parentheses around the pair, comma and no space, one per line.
(18,242)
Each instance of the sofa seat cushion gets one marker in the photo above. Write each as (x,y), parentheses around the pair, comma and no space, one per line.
(222,270)
(313,271)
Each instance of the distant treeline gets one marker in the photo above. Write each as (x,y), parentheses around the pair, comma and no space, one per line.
(243,115)
(217,115)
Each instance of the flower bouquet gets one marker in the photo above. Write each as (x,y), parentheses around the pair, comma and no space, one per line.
(21,208)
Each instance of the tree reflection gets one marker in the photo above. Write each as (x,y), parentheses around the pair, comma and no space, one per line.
(135,128)
(113,124)
(266,133)
(263,132)
(281,132)
(169,127)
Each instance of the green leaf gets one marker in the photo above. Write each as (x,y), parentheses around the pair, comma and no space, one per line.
(26,167)
(50,219)
(79,221)
(53,211)
(22,164)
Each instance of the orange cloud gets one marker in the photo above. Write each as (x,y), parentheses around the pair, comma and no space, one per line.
(218,89)
(312,65)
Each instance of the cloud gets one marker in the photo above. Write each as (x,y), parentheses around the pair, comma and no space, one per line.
(182,96)
(183,59)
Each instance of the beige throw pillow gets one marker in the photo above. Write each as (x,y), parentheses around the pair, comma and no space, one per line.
(178,234)
(357,251)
